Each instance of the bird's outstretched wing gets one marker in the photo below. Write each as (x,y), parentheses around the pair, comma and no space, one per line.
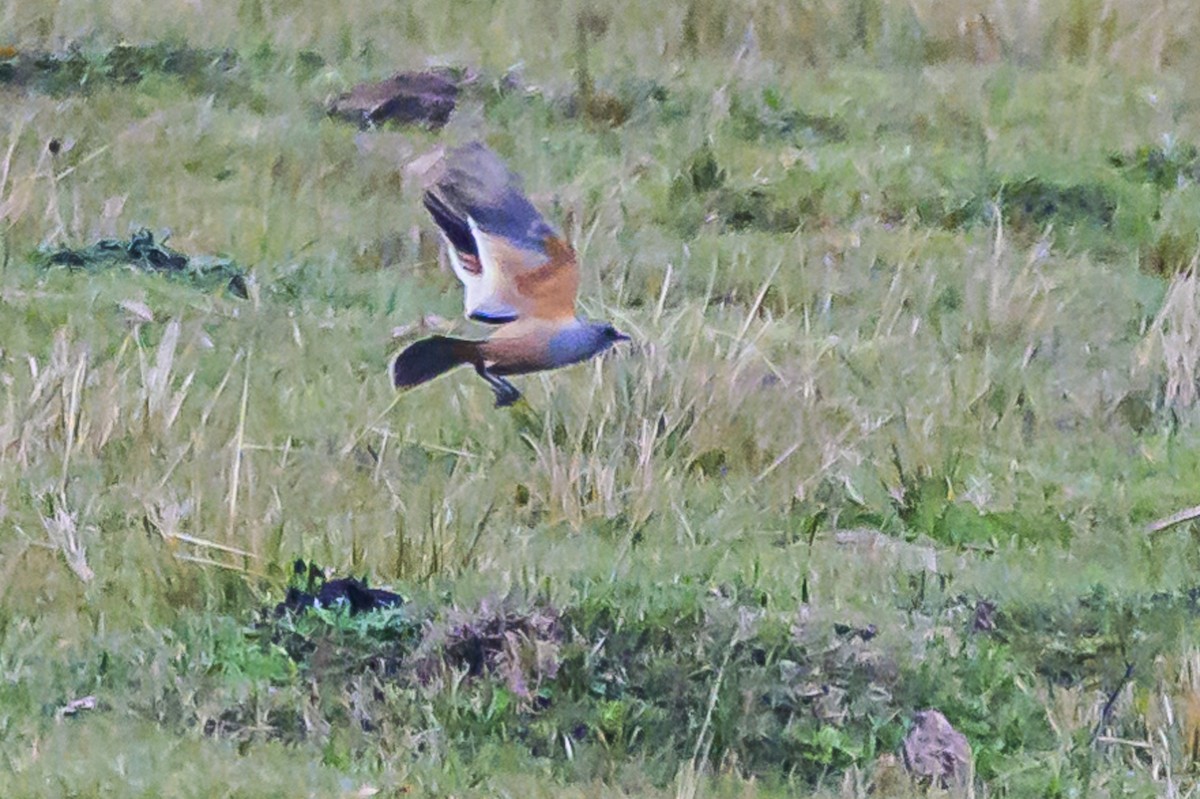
(511,262)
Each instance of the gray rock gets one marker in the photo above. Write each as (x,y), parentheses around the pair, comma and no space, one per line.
(406,98)
(936,752)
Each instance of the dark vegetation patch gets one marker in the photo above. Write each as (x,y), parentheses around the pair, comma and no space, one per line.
(1098,636)
(1147,409)
(76,70)
(1028,205)
(427,97)
(794,698)
(1172,170)
(1167,167)
(1033,203)
(1148,207)
(926,508)
(521,647)
(915,502)
(755,209)
(595,105)
(794,695)
(311,590)
(598,103)
(703,192)
(141,252)
(766,117)
(617,104)
(700,194)
(1170,252)
(1105,214)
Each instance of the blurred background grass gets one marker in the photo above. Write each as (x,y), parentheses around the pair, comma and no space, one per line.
(912,292)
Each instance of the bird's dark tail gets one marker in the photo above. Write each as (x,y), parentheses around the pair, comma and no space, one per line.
(429,358)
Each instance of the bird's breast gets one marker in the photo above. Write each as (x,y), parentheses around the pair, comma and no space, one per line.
(514,355)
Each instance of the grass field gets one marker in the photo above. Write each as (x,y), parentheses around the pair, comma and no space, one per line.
(916,331)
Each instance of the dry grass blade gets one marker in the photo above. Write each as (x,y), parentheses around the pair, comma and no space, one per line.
(239,440)
(1174,337)
(13,200)
(752,311)
(1179,517)
(62,530)
(357,437)
(206,544)
(233,567)
(157,378)
(662,294)
(72,405)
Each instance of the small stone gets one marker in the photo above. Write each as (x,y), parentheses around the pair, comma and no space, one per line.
(936,752)
(75,706)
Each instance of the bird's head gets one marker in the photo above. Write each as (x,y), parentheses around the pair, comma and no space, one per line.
(611,335)
(584,340)
(602,336)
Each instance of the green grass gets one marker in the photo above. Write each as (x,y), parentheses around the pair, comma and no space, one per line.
(915,328)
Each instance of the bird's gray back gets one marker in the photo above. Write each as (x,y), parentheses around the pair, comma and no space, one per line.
(478,184)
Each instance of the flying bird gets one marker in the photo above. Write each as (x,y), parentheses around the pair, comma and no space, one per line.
(518,274)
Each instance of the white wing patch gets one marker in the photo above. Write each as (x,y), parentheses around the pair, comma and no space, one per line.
(483,291)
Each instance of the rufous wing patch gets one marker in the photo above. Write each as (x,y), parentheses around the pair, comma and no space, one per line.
(553,286)
(528,281)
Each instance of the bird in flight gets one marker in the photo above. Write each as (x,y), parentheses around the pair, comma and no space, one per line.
(517,273)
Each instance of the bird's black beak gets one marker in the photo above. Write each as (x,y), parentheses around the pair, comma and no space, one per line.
(619,336)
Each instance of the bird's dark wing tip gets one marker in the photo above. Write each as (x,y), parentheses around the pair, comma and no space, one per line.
(453,224)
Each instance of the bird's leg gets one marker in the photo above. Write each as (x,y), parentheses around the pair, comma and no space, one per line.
(506,392)
(508,396)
